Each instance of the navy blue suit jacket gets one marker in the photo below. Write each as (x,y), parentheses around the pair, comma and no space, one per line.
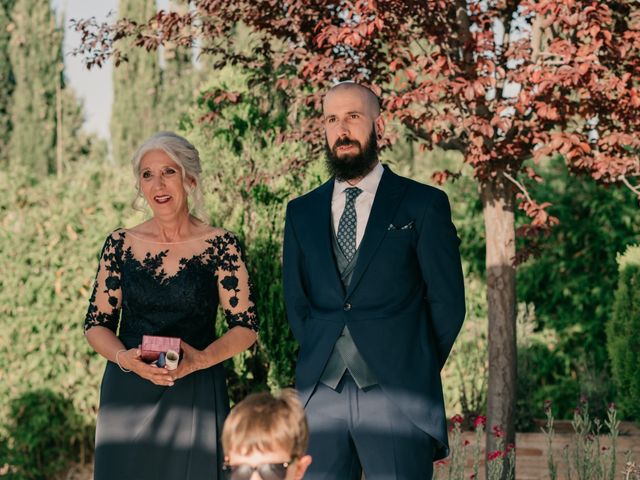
(404,306)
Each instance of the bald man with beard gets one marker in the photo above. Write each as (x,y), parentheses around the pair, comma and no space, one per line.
(375,297)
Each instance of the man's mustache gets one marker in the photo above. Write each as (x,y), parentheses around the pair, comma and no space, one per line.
(344,141)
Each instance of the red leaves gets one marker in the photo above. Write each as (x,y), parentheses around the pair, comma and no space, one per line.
(537,212)
(441,177)
(571,90)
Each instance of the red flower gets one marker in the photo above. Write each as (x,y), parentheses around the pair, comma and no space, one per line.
(495,455)
(466,442)
(612,406)
(480,420)
(457,419)
(498,432)
(510,447)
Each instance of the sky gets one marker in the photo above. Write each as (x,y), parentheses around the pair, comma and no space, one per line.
(93,87)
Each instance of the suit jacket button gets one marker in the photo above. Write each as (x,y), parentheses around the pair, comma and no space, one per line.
(347,307)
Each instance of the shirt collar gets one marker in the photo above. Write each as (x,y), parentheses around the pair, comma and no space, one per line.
(368,184)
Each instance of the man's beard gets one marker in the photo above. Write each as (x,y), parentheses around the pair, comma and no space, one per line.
(350,166)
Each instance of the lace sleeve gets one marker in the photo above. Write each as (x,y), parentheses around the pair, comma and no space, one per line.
(234,286)
(106,299)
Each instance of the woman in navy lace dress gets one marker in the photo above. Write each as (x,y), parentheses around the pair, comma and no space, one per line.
(166,277)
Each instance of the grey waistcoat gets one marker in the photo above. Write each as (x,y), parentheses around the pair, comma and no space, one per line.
(345,355)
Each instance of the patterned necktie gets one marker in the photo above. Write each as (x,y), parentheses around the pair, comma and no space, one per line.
(347,225)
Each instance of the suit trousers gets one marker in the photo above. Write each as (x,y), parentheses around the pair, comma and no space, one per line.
(354,429)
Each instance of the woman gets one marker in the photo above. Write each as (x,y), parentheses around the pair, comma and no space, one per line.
(166,277)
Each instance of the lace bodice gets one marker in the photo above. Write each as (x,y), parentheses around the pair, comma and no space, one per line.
(172,289)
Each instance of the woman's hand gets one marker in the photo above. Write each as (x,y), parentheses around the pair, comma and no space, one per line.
(192,360)
(130,360)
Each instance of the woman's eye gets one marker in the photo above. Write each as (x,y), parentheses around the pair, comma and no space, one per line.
(169,171)
(146,174)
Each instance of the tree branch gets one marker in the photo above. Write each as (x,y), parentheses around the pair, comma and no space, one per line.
(519,185)
(464,32)
(455,143)
(634,189)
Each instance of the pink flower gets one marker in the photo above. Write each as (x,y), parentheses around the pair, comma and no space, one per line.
(612,406)
(457,419)
(547,405)
(480,420)
(495,455)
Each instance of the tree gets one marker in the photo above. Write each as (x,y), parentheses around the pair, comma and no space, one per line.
(622,337)
(503,82)
(178,79)
(7,83)
(135,89)
(35,52)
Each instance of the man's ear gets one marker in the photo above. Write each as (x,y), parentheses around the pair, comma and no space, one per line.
(301,466)
(378,124)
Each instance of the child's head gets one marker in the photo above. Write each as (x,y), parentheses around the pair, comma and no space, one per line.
(264,429)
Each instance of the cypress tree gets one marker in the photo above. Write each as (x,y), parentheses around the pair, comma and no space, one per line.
(178,79)
(622,334)
(135,89)
(7,82)
(35,52)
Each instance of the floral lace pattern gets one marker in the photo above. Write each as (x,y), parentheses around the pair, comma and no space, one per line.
(150,301)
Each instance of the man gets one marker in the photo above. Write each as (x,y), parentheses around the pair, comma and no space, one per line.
(375,297)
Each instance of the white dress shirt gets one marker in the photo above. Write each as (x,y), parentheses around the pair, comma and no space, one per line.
(364,201)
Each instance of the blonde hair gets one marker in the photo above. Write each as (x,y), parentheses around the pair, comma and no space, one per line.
(185,155)
(265,422)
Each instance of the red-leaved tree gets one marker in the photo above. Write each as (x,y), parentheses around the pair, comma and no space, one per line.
(501,81)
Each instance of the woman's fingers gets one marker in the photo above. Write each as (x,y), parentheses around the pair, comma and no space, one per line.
(159,376)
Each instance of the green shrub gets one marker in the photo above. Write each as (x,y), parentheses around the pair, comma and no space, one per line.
(44,435)
(623,341)
(571,283)
(50,238)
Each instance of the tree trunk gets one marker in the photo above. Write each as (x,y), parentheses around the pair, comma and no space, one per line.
(498,199)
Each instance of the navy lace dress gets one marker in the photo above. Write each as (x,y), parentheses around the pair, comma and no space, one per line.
(146,431)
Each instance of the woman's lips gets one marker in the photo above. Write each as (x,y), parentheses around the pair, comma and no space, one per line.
(162,198)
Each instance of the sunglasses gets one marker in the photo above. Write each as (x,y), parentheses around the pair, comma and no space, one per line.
(267,471)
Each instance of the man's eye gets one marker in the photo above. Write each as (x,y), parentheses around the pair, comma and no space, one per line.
(331,120)
(355,116)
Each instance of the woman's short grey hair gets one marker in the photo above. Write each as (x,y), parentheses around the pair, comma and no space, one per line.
(181,151)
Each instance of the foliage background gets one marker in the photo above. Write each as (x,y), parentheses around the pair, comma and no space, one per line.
(52,228)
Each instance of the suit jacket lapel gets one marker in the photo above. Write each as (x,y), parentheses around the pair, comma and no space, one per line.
(319,223)
(388,196)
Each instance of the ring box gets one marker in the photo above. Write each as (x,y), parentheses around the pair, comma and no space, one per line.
(153,345)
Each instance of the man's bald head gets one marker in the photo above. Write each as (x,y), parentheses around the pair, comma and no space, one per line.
(369,98)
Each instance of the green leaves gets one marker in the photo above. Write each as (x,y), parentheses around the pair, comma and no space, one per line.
(622,334)
(50,238)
